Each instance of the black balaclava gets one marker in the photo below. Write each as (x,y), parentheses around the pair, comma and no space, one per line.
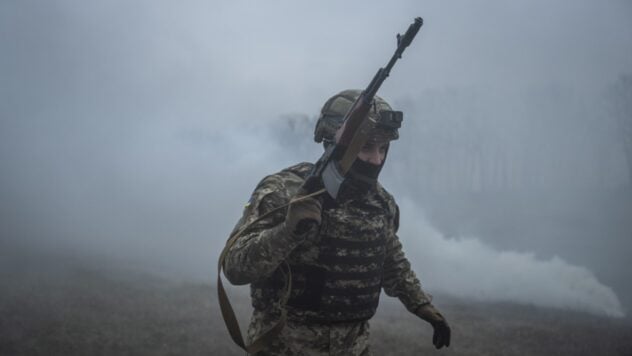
(362,177)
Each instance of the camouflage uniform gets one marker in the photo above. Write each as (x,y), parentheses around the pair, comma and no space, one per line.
(337,272)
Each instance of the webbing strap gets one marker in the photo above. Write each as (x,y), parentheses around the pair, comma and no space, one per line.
(227,310)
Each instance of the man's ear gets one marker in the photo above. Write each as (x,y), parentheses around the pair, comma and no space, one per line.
(339,132)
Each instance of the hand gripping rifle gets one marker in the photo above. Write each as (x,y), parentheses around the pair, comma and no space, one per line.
(331,168)
(333,165)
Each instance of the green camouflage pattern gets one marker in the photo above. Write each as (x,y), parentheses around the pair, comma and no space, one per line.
(257,256)
(298,338)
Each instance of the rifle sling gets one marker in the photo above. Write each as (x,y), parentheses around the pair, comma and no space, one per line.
(228,314)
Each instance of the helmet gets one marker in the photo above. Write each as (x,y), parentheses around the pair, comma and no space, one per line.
(334,110)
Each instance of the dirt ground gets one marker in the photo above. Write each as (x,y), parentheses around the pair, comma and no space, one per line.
(79,310)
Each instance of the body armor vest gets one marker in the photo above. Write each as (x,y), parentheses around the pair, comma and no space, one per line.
(343,283)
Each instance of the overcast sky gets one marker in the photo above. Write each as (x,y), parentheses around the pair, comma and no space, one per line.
(137,129)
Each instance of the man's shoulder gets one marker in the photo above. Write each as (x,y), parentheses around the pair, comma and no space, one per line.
(385,194)
(283,184)
(290,175)
(388,199)
(301,170)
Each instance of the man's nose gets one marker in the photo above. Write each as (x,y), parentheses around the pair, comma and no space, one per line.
(374,157)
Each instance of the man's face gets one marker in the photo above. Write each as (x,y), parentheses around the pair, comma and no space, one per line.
(374,152)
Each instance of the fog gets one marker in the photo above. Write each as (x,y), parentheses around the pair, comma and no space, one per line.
(135,132)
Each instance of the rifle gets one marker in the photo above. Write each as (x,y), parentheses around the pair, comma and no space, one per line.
(333,165)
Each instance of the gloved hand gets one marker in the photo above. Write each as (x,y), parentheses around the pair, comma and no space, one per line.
(303,214)
(441,336)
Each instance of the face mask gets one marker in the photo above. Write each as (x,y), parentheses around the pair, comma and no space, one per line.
(364,171)
(361,178)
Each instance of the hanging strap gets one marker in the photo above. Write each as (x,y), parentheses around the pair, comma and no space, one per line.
(227,310)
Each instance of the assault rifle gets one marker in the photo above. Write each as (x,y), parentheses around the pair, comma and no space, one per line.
(333,165)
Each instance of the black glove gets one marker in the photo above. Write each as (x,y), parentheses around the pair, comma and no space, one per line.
(442,332)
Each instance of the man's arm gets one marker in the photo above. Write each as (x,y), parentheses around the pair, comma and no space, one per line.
(267,242)
(400,281)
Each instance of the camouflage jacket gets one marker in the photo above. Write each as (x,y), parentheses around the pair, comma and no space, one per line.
(257,256)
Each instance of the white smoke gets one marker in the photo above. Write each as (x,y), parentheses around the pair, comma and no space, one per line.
(125,148)
(468,268)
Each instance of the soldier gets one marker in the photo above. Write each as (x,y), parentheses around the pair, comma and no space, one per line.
(340,264)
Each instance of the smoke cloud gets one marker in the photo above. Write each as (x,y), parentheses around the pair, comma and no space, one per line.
(467,267)
(136,132)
